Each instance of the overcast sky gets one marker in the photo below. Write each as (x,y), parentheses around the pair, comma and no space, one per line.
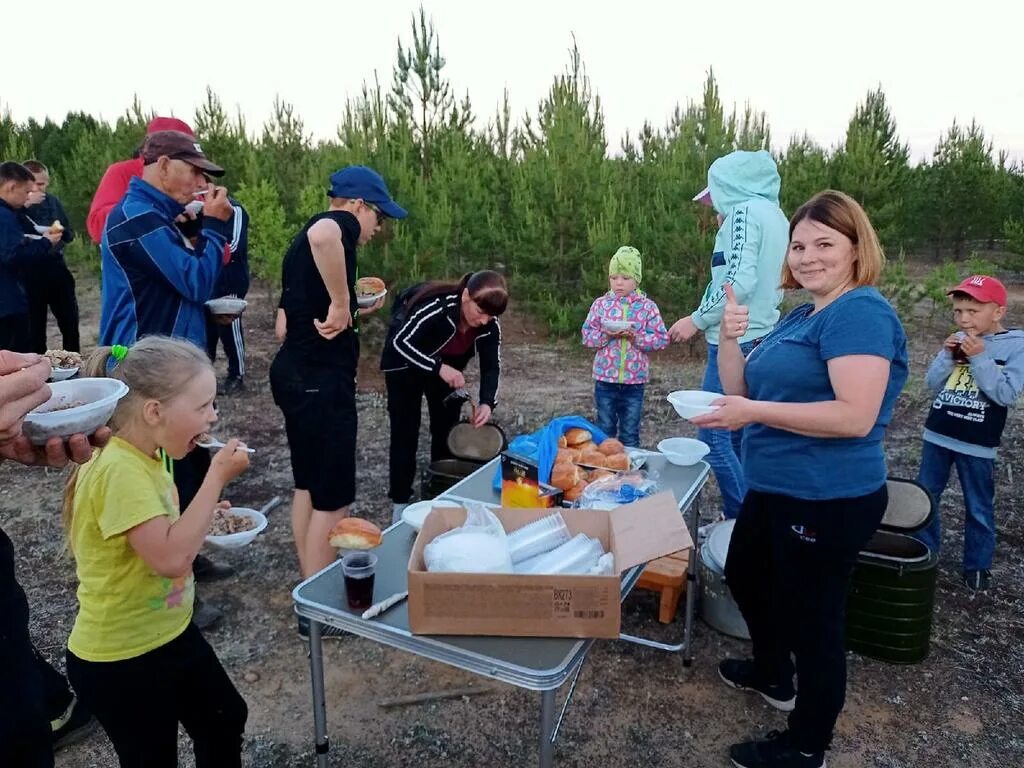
(807,64)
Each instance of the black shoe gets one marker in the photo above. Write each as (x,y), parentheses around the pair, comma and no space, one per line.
(979,581)
(327,632)
(204,569)
(204,615)
(76,725)
(233,385)
(741,675)
(774,751)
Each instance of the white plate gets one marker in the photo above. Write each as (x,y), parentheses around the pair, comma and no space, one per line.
(60,374)
(415,514)
(236,540)
(693,402)
(369,301)
(227,306)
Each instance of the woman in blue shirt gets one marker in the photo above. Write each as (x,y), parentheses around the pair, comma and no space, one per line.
(815,397)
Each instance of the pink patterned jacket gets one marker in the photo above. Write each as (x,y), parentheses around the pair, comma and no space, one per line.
(620,360)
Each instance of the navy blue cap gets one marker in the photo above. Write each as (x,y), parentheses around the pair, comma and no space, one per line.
(360,182)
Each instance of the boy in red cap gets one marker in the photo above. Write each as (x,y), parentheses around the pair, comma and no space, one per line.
(977,375)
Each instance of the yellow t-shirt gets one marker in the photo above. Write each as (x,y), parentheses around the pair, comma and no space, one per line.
(125,608)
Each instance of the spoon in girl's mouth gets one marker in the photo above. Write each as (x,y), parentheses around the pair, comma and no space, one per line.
(206,441)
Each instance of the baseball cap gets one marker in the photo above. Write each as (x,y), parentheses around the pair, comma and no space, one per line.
(982,288)
(703,197)
(360,182)
(168,124)
(178,146)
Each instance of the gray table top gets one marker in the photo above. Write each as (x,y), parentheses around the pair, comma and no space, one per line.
(529,662)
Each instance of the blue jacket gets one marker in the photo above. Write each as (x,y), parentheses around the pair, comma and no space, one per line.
(751,244)
(17,255)
(234,276)
(153,282)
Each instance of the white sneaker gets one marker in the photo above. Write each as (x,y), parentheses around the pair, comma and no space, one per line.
(396,512)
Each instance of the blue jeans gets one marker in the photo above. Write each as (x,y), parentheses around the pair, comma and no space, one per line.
(724,457)
(621,406)
(977,479)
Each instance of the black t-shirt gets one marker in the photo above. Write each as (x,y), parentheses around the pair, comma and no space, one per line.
(304,297)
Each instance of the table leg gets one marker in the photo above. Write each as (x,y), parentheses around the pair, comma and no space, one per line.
(691,582)
(547,725)
(316,671)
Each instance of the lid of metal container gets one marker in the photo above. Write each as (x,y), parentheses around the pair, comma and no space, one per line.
(909,508)
(476,443)
(716,546)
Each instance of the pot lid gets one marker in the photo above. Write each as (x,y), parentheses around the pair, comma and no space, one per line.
(476,443)
(717,544)
(909,507)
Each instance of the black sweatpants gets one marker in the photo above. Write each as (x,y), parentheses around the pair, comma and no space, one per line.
(140,701)
(32,693)
(53,290)
(406,390)
(233,340)
(14,333)
(788,568)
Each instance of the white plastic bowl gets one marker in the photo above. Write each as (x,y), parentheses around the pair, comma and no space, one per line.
(415,514)
(236,540)
(227,306)
(369,301)
(683,451)
(99,396)
(693,402)
(61,374)
(617,326)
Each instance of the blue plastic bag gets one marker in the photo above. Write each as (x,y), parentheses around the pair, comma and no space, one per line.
(542,445)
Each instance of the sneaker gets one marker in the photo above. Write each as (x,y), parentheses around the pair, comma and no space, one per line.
(774,751)
(741,675)
(327,632)
(204,615)
(205,569)
(979,581)
(396,512)
(233,385)
(73,726)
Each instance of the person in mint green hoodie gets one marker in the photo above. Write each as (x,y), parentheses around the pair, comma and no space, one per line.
(750,249)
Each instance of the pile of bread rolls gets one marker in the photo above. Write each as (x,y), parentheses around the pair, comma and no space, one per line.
(577,447)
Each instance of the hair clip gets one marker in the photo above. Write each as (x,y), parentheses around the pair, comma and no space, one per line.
(119,352)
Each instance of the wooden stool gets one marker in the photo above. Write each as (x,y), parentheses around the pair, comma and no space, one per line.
(667,575)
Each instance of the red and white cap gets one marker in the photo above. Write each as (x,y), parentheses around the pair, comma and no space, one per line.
(982,288)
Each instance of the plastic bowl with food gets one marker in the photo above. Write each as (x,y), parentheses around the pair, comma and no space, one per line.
(62,374)
(78,406)
(370,290)
(235,527)
(693,402)
(227,305)
(683,451)
(616,326)
(414,514)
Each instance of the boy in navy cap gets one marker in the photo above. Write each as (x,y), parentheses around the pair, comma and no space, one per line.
(977,375)
(313,376)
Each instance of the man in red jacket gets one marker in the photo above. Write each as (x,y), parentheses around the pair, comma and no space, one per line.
(114,183)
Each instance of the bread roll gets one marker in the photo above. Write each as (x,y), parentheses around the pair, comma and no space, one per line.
(354,533)
(575,437)
(564,475)
(600,474)
(565,454)
(593,458)
(57,226)
(611,446)
(618,461)
(586,447)
(574,493)
(562,442)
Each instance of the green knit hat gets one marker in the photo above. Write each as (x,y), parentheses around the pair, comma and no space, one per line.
(626,261)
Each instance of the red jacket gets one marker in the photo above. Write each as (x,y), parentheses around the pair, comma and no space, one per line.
(112,187)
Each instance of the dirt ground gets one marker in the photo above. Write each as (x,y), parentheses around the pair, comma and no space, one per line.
(963,706)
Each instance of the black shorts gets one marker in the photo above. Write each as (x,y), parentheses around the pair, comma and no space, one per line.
(319,407)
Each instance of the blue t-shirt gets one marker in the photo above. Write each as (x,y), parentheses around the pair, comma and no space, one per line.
(791,366)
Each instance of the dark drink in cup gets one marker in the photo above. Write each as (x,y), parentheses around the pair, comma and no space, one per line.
(959,356)
(359,569)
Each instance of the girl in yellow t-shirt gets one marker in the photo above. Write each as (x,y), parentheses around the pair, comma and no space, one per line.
(134,657)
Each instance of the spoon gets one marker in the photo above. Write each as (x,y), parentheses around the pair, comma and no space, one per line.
(214,443)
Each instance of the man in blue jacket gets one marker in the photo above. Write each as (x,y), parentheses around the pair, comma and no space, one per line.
(19,252)
(750,248)
(233,281)
(155,281)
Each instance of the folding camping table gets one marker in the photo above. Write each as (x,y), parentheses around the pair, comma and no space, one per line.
(532,663)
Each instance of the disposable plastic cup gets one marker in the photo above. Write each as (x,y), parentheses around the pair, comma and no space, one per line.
(578,555)
(359,569)
(538,537)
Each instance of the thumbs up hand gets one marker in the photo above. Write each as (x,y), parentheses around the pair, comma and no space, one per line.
(735,318)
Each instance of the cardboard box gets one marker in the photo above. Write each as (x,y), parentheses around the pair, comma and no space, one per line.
(521,487)
(542,606)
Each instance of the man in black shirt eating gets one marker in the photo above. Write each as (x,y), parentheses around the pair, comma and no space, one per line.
(313,376)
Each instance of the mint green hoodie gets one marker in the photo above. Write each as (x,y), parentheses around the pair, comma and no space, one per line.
(750,247)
